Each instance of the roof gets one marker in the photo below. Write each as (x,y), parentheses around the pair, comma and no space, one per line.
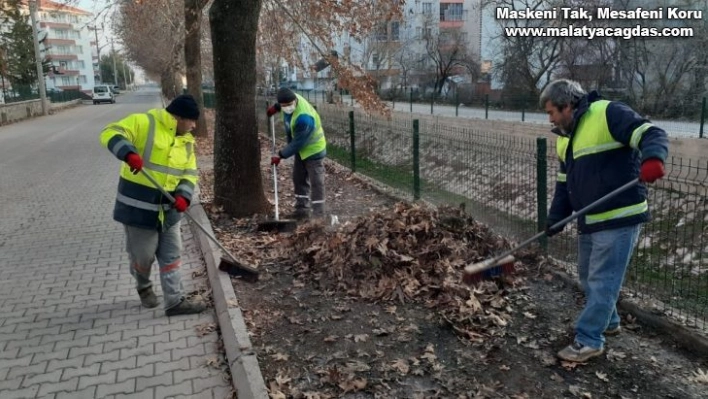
(47,5)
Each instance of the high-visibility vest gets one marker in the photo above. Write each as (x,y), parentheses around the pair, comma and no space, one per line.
(168,157)
(592,137)
(317,142)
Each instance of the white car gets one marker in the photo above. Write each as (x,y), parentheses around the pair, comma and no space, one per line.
(103,94)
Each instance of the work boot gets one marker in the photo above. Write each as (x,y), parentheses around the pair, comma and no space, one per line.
(300,214)
(187,306)
(148,298)
(579,353)
(613,331)
(318,211)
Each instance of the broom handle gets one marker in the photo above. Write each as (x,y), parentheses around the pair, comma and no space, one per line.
(573,216)
(172,200)
(275,168)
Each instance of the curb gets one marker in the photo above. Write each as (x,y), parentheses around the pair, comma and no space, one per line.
(246,374)
(689,341)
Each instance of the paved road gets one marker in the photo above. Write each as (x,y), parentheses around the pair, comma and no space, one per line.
(71,324)
(674,128)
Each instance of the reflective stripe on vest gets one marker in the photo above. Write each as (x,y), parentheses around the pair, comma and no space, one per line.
(618,213)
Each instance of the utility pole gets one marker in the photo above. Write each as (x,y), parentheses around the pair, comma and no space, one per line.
(98,55)
(125,76)
(38,59)
(115,70)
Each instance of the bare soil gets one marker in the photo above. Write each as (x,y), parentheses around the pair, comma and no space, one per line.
(321,337)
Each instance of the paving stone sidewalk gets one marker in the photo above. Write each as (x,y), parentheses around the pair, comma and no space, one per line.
(71,324)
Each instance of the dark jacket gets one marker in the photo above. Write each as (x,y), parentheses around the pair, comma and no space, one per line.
(595,174)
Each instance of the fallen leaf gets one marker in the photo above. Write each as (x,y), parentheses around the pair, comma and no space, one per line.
(278,357)
(331,338)
(361,337)
(529,315)
(353,385)
(700,377)
(602,376)
(401,366)
(504,367)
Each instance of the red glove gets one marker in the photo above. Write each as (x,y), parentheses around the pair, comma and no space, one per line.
(134,161)
(275,160)
(181,204)
(273,109)
(652,170)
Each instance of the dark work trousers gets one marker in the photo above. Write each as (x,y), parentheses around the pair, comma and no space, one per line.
(308,180)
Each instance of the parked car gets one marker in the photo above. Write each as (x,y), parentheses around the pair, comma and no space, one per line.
(103,94)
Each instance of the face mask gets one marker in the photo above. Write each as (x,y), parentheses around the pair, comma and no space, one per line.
(289,109)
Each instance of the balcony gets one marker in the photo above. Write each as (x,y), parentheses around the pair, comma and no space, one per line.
(63,57)
(59,42)
(58,25)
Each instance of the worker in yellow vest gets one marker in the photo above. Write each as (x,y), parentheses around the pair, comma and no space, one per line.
(602,145)
(160,141)
(306,141)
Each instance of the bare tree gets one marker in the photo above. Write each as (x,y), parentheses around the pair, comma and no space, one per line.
(527,62)
(193,55)
(153,36)
(237,177)
(449,53)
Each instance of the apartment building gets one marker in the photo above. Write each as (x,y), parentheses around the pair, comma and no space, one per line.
(68,44)
(395,54)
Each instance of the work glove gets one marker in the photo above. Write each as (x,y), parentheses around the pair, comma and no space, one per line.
(275,160)
(135,162)
(273,109)
(550,232)
(181,204)
(652,170)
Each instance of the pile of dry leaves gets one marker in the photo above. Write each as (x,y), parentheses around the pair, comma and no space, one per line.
(409,253)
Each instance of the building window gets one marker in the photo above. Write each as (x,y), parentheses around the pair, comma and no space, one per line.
(451,12)
(395,30)
(427,8)
(375,59)
(82,79)
(381,32)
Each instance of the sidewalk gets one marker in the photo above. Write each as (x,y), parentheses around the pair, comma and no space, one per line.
(71,324)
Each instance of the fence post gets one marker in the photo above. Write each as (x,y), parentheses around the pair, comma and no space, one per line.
(416,161)
(411,99)
(523,115)
(457,103)
(352,140)
(432,101)
(542,189)
(486,106)
(703,117)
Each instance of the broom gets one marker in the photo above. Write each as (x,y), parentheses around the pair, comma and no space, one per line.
(504,262)
(276,224)
(232,266)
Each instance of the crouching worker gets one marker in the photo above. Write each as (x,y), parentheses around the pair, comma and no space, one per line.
(160,141)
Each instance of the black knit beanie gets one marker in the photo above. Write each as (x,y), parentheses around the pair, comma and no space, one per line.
(185,107)
(286,95)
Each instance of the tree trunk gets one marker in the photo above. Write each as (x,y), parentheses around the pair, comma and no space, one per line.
(169,84)
(238,187)
(193,57)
